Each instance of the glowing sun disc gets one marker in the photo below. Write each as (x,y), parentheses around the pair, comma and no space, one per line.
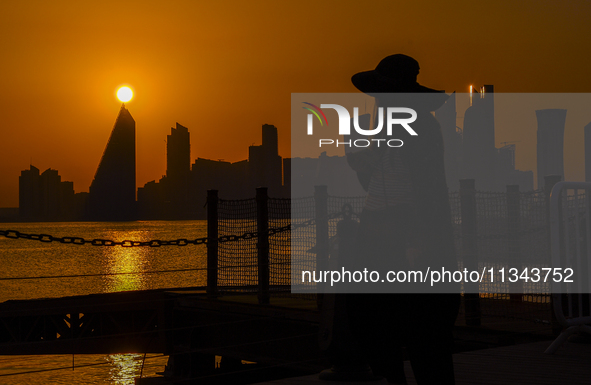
(124,94)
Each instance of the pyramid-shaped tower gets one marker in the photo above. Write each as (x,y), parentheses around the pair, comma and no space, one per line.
(112,192)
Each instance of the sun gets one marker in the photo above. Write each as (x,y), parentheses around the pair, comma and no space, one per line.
(124,94)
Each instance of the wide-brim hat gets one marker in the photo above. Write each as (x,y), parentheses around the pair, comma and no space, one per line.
(395,73)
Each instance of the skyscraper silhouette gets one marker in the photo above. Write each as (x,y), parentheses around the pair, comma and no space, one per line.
(265,163)
(50,194)
(452,140)
(29,194)
(550,146)
(479,151)
(44,197)
(178,168)
(112,192)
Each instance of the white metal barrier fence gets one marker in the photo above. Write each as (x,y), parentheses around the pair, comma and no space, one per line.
(570,232)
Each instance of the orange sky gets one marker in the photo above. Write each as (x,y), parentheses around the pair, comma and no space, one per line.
(223,69)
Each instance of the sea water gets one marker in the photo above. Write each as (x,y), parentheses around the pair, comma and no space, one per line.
(98,267)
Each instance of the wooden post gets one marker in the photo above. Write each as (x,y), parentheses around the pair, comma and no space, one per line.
(212,243)
(470,249)
(513,229)
(321,218)
(549,182)
(263,244)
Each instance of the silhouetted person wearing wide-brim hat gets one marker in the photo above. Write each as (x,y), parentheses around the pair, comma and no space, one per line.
(394,73)
(405,225)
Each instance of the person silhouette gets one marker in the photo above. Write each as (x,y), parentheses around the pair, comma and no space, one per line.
(405,224)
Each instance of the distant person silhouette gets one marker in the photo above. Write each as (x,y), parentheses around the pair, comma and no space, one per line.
(405,225)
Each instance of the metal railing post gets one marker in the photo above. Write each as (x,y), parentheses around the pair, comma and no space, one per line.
(321,219)
(549,182)
(513,229)
(470,249)
(263,244)
(212,243)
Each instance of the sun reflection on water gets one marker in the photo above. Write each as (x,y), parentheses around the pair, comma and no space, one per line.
(126,260)
(26,258)
(124,368)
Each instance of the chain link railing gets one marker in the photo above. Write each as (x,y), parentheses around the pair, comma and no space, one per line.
(46,238)
(494,239)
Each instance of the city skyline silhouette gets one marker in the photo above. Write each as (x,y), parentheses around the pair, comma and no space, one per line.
(124,189)
(65,62)
(470,153)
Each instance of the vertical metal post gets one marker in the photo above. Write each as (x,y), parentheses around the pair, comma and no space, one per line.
(263,244)
(470,249)
(321,219)
(212,243)
(513,228)
(549,182)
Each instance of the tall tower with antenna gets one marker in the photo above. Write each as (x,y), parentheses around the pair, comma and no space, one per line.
(479,150)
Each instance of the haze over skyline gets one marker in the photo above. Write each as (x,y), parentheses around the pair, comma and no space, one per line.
(223,70)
